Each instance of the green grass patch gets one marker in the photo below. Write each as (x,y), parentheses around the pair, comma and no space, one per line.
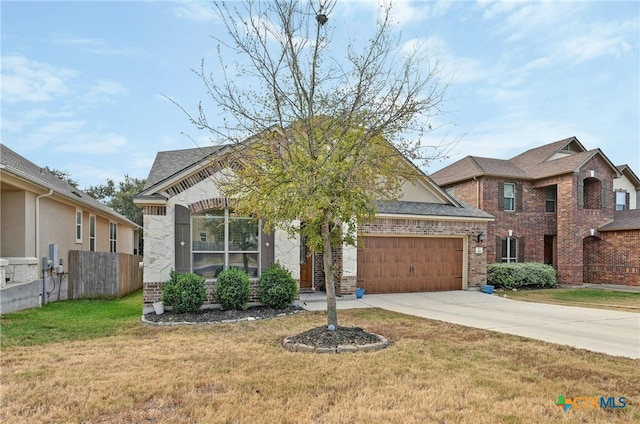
(70,320)
(599,298)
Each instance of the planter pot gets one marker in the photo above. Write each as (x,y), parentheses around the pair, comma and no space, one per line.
(486,288)
(359,293)
(158,307)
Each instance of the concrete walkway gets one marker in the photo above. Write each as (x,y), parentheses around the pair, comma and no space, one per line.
(615,333)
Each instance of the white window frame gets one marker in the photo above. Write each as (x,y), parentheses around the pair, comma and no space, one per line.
(78,226)
(92,233)
(621,206)
(510,241)
(227,252)
(113,237)
(512,198)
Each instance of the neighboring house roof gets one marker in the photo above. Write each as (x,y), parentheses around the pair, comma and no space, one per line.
(557,158)
(623,221)
(12,162)
(631,176)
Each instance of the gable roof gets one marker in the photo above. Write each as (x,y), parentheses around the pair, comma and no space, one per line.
(170,166)
(557,158)
(169,163)
(24,169)
(631,176)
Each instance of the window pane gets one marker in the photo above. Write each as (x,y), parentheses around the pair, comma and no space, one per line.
(508,190)
(207,232)
(247,262)
(243,234)
(512,248)
(504,248)
(208,265)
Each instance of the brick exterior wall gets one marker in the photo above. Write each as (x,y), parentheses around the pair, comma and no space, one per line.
(613,257)
(345,285)
(476,262)
(568,226)
(152,292)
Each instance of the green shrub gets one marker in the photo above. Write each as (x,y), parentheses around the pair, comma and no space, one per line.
(521,275)
(278,289)
(184,292)
(233,289)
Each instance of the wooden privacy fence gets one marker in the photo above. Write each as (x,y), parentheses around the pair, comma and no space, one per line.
(103,274)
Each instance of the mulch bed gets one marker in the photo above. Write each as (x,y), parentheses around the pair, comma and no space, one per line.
(222,315)
(319,337)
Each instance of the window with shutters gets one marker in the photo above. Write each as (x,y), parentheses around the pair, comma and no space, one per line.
(622,201)
(509,249)
(509,197)
(223,240)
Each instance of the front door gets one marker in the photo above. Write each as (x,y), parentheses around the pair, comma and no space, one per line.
(306,265)
(549,250)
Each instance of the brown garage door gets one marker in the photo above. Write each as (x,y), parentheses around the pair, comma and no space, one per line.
(410,264)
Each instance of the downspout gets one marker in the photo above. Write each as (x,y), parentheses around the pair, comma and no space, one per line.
(44,289)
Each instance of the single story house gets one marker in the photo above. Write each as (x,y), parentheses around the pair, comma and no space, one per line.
(425,241)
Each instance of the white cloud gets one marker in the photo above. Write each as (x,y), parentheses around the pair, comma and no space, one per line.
(25,80)
(608,39)
(195,11)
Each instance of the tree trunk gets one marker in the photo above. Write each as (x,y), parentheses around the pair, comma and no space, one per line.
(329,281)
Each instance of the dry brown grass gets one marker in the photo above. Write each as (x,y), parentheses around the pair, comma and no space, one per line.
(239,373)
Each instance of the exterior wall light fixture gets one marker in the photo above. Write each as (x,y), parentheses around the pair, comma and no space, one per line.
(480,237)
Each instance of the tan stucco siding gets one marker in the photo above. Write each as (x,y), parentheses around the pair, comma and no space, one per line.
(624,184)
(416,191)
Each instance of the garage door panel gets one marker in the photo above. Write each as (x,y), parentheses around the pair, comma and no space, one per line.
(410,264)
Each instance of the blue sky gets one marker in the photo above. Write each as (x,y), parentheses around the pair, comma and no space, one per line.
(82,82)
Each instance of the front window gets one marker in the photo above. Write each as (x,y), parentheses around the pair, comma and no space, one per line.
(509,249)
(92,233)
(113,237)
(621,201)
(509,197)
(78,226)
(550,202)
(223,240)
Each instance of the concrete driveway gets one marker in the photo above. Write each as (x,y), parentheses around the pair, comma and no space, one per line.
(612,332)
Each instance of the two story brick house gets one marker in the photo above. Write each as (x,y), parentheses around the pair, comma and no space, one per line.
(560,204)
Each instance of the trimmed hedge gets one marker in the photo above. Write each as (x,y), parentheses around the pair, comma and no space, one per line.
(184,292)
(233,289)
(521,275)
(278,289)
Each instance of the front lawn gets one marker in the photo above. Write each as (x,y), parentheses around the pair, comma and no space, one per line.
(240,373)
(593,298)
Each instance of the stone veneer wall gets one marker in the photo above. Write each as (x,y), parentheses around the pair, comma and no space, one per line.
(476,267)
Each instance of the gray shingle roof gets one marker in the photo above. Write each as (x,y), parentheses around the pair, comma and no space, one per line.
(28,170)
(623,221)
(169,163)
(431,209)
